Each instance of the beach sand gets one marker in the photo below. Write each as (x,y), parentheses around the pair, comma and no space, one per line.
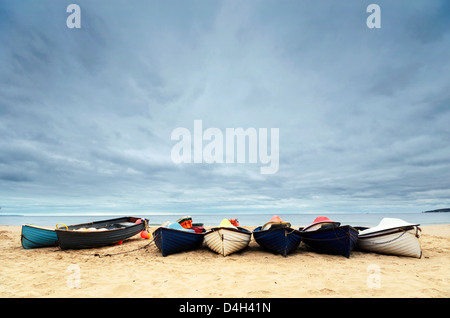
(137,269)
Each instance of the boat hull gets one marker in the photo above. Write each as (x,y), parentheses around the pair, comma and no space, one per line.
(171,241)
(116,230)
(400,242)
(226,241)
(339,240)
(35,236)
(280,240)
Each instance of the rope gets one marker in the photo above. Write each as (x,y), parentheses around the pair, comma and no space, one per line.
(390,241)
(417,231)
(136,249)
(125,252)
(404,232)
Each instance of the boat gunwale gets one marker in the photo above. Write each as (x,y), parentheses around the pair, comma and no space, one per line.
(330,229)
(75,227)
(39,227)
(238,230)
(290,229)
(384,232)
(177,230)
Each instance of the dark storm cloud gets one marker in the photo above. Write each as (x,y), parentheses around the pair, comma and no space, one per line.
(86,114)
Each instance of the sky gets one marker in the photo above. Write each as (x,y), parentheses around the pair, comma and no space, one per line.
(86,114)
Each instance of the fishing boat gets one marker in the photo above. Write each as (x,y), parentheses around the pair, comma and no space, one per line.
(99,233)
(34,236)
(277,236)
(174,238)
(329,237)
(227,238)
(392,236)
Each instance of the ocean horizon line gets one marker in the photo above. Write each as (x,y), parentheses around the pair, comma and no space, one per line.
(203,213)
(245,219)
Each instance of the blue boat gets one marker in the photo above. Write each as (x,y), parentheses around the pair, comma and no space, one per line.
(175,239)
(277,236)
(33,236)
(329,237)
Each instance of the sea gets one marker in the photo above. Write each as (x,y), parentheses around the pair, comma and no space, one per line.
(213,219)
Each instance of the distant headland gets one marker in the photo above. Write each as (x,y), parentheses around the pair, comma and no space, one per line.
(437,211)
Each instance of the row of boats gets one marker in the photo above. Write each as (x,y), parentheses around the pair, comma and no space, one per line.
(390,236)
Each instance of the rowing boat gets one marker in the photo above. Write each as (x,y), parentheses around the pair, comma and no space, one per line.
(99,233)
(329,237)
(277,236)
(174,238)
(226,238)
(392,236)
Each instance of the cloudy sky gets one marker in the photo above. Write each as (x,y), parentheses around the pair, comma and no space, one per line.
(86,115)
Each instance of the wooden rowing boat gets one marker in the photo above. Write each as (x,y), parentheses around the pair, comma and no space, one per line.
(326,236)
(99,233)
(277,236)
(227,238)
(174,239)
(392,236)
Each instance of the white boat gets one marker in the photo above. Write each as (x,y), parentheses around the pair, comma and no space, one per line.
(392,236)
(227,238)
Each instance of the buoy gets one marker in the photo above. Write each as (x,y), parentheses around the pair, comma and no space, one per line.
(146,235)
(138,221)
(120,242)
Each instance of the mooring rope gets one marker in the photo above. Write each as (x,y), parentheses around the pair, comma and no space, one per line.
(126,252)
(403,233)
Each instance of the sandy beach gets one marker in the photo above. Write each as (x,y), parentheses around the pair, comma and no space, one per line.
(136,268)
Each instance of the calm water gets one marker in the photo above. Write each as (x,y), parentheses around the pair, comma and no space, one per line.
(355,219)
